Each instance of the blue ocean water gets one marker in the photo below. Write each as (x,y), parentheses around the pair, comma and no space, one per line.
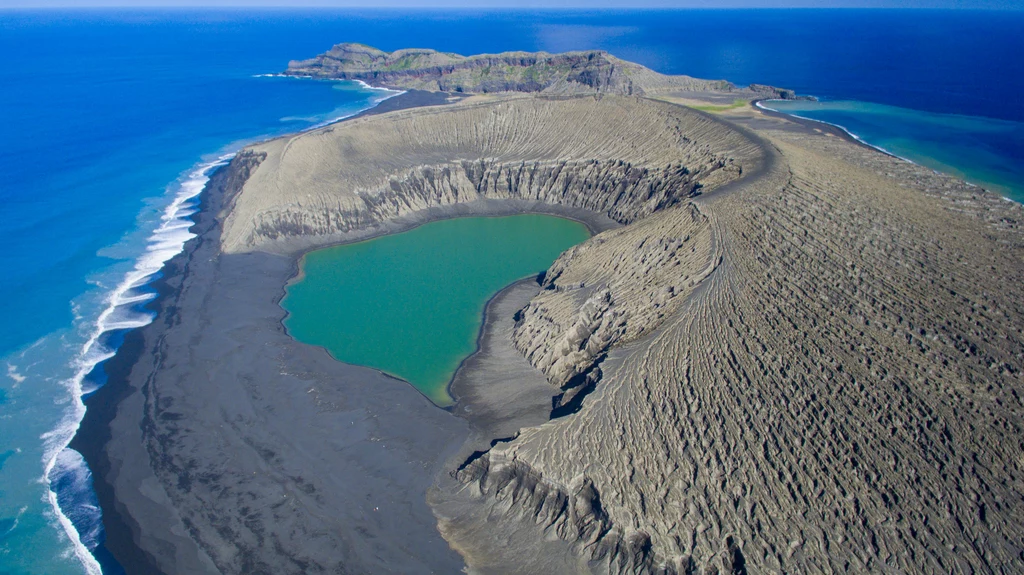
(984,151)
(111,124)
(111,119)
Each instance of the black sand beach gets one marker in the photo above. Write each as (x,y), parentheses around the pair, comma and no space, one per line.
(796,123)
(324,435)
(215,411)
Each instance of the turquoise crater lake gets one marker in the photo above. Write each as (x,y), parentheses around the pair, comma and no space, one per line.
(411,304)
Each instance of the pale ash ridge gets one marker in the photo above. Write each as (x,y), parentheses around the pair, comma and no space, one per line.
(586,72)
(623,157)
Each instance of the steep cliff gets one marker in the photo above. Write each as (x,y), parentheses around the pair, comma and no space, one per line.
(591,72)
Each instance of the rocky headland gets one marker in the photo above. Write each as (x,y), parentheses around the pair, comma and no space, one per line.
(569,73)
(782,352)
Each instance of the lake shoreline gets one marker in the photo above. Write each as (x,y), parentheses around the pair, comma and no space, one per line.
(320,281)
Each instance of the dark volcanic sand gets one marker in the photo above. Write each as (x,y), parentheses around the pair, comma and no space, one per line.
(410,99)
(279,458)
(796,123)
(215,411)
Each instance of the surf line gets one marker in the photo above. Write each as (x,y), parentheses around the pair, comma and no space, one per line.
(167,240)
(876,147)
(843,128)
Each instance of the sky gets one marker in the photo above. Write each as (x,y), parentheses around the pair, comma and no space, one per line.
(965,4)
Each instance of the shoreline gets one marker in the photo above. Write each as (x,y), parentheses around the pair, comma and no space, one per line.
(834,129)
(487,317)
(146,275)
(267,274)
(250,327)
(124,532)
(93,434)
(183,201)
(498,319)
(849,135)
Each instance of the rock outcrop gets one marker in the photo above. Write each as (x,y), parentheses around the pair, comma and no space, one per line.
(773,93)
(796,354)
(590,72)
(614,289)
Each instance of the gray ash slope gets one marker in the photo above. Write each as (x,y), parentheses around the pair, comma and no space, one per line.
(793,354)
(239,450)
(802,355)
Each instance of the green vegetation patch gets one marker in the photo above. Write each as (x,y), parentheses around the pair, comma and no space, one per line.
(737,103)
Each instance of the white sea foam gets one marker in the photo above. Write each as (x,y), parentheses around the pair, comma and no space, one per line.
(167,240)
(879,148)
(129,298)
(76,496)
(17,517)
(81,552)
(378,88)
(12,372)
(841,127)
(388,93)
(307,77)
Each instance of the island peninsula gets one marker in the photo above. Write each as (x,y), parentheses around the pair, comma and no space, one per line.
(781,351)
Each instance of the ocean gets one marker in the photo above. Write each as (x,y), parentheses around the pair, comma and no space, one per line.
(114,119)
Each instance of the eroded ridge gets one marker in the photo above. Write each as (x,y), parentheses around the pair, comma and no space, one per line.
(841,393)
(620,156)
(614,289)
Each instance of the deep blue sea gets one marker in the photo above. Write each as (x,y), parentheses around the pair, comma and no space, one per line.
(112,119)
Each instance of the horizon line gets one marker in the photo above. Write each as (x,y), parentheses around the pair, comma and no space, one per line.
(513,7)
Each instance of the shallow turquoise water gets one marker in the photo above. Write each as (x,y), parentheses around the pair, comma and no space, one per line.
(412,304)
(988,152)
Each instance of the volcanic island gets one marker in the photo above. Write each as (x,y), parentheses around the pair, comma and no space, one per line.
(780,351)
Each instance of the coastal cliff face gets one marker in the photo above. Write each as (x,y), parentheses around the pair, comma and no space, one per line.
(590,72)
(796,355)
